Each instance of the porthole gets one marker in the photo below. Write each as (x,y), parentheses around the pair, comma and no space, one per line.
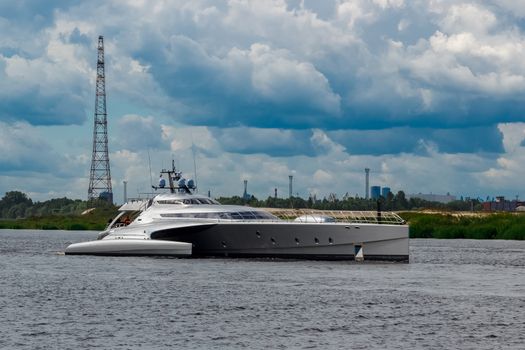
(330,240)
(296,240)
(223,244)
(258,234)
(273,240)
(316,240)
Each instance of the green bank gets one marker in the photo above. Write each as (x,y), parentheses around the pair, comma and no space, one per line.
(95,220)
(466,225)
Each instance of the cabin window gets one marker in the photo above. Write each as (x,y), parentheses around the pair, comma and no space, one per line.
(296,240)
(273,241)
(316,240)
(258,234)
(236,216)
(247,215)
(169,201)
(330,240)
(204,201)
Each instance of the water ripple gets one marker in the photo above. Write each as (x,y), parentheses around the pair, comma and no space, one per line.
(454,294)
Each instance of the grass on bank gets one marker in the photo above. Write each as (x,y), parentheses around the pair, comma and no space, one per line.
(444,225)
(96,220)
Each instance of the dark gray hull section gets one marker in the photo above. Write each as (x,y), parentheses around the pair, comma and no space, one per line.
(323,241)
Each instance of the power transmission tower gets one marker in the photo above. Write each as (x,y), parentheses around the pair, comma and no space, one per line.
(100,176)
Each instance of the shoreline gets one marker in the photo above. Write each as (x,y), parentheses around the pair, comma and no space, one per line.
(423,224)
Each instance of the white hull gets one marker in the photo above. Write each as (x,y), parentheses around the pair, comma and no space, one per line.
(130,247)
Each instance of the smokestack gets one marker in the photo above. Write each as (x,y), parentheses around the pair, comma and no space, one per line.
(125,191)
(291,189)
(245,189)
(367,178)
(275,193)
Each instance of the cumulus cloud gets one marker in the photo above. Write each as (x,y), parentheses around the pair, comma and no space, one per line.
(24,150)
(45,87)
(406,86)
(467,17)
(290,67)
(257,86)
(138,133)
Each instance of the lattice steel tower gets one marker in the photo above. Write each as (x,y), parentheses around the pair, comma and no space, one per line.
(100,175)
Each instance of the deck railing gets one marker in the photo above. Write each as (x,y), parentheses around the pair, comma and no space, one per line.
(368,217)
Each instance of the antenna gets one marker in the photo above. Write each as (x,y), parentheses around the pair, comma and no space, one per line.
(100,175)
(194,165)
(150,177)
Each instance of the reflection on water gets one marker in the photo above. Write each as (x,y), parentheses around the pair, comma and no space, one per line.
(453,294)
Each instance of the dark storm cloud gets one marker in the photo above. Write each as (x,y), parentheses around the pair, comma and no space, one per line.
(415,140)
(275,142)
(34,12)
(38,107)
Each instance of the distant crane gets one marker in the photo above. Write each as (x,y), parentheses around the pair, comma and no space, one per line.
(100,175)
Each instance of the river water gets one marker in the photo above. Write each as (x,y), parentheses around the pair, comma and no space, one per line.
(462,294)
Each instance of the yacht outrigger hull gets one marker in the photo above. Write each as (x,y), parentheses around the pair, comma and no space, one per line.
(128,247)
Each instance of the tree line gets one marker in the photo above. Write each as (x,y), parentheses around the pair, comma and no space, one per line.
(17,205)
(392,202)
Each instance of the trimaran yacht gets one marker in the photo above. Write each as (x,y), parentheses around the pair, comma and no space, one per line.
(184,224)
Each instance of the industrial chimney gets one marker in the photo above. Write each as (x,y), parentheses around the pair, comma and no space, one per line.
(367,179)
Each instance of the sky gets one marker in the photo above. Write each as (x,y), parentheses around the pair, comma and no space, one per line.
(428,94)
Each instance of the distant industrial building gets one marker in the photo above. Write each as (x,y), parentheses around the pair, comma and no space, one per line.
(501,204)
(375,192)
(441,198)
